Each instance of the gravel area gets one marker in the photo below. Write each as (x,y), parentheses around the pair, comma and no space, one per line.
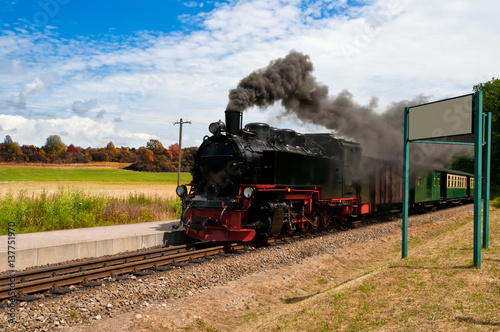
(112,298)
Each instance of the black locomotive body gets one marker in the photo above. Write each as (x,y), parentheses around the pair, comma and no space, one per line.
(262,180)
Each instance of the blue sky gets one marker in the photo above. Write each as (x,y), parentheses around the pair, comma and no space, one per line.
(124,71)
(77,18)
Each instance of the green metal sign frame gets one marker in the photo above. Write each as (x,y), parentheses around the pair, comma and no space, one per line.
(482,137)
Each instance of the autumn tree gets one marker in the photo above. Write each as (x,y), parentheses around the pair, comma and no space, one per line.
(111,151)
(110,146)
(32,154)
(152,158)
(10,150)
(53,145)
(174,150)
(71,148)
(155,146)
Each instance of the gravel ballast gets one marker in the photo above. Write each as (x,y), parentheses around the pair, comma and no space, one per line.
(84,305)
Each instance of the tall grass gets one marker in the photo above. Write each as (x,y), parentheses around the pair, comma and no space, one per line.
(67,209)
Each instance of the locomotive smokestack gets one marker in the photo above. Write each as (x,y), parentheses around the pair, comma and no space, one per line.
(233,121)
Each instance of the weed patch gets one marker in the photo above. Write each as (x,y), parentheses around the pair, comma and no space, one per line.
(66,209)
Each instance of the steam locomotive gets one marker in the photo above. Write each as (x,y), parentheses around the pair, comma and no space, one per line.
(259,180)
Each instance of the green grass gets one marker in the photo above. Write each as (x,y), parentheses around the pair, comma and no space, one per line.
(44,174)
(74,209)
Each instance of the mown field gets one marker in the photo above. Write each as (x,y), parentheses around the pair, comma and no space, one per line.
(92,174)
(41,198)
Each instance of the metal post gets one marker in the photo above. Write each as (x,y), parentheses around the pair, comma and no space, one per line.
(478,158)
(486,173)
(180,148)
(406,171)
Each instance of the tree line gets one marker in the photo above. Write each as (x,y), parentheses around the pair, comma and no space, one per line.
(153,157)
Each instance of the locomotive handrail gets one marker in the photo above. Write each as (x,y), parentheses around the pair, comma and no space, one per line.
(220,218)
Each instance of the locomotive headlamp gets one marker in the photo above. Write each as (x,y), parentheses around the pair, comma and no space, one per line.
(181,190)
(249,192)
(217,127)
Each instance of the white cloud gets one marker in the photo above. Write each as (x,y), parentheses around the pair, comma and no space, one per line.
(80,108)
(394,49)
(76,130)
(35,86)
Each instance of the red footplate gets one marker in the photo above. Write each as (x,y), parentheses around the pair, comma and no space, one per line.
(222,234)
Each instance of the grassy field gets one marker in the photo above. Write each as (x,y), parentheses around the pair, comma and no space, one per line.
(41,198)
(368,287)
(93,174)
(434,289)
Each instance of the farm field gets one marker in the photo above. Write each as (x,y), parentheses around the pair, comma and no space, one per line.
(43,198)
(99,174)
(103,180)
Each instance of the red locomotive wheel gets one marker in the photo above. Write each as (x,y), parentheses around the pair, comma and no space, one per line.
(313,219)
(288,227)
(325,220)
(304,224)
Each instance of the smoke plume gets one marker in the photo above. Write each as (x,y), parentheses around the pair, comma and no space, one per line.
(289,81)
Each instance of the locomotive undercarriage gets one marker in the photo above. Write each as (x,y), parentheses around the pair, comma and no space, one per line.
(270,211)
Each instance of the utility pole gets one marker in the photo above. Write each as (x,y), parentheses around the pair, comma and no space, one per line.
(180,122)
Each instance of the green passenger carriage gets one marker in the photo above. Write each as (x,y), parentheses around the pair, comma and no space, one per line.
(427,186)
(441,185)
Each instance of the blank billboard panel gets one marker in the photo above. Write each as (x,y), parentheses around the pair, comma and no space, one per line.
(450,117)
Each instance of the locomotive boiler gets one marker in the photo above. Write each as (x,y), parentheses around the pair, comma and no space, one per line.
(257,180)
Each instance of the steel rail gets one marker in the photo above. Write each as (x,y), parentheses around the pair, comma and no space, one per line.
(76,275)
(29,275)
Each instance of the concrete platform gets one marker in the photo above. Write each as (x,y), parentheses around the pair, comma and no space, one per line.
(37,249)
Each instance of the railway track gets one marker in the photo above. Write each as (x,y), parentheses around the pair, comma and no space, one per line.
(17,285)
